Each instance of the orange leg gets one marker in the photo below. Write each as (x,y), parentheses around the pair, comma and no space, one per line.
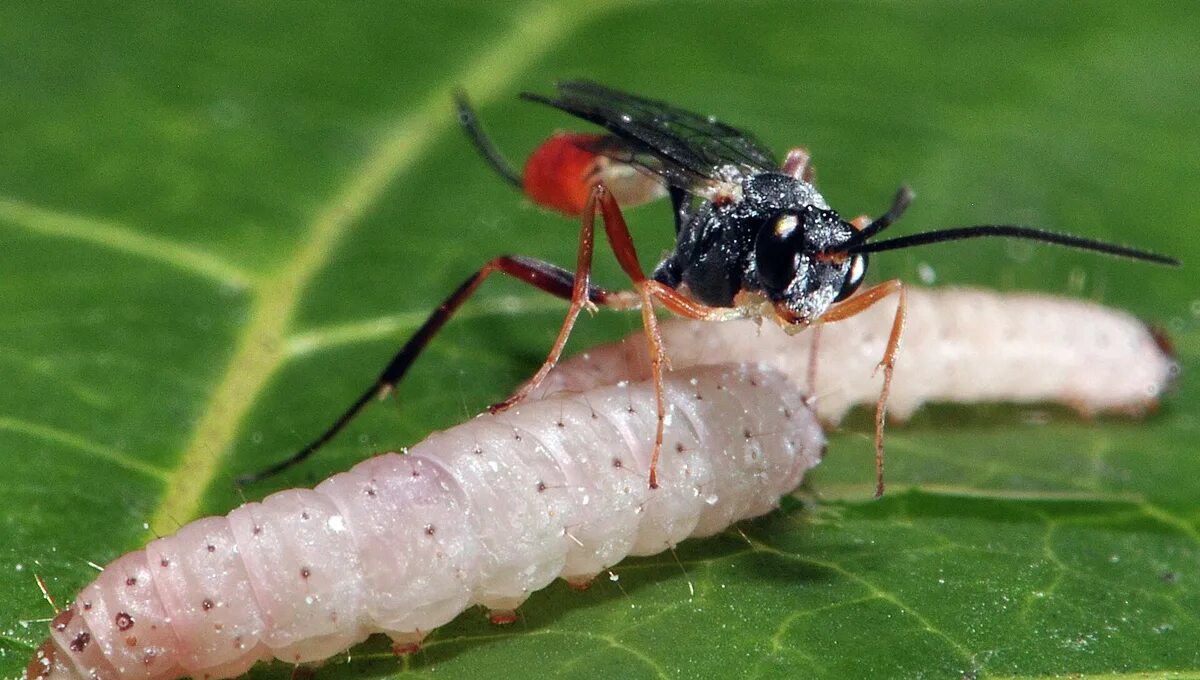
(579,300)
(812,362)
(849,308)
(649,290)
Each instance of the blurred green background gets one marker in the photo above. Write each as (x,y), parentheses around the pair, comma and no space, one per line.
(217,221)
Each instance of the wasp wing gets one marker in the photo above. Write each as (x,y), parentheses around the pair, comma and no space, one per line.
(689,151)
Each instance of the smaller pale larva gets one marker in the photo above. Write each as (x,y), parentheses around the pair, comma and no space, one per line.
(483,513)
(961,346)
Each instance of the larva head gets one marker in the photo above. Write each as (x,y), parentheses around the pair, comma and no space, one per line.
(800,265)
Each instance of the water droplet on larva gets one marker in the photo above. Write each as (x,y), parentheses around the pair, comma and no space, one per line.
(712,499)
(623,383)
(308,599)
(693,382)
(336,523)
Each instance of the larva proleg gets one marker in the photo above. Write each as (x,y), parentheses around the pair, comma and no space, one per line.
(484,513)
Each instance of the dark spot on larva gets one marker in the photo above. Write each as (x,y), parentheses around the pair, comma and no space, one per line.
(210,547)
(164,563)
(304,515)
(787,413)
(753,382)
(679,447)
(206,604)
(257,530)
(131,581)
(370,492)
(478,450)
(305,572)
(560,423)
(237,642)
(64,617)
(430,530)
(87,606)
(747,433)
(81,641)
(124,621)
(333,617)
(699,397)
(416,473)
(617,462)
(595,416)
(517,436)
(131,641)
(541,486)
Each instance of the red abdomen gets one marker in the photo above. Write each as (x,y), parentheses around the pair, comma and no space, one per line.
(560,173)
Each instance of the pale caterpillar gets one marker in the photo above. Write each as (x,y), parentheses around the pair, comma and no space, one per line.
(483,513)
(960,345)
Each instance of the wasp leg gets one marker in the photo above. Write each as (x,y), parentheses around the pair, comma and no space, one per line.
(648,290)
(798,164)
(855,305)
(812,362)
(581,295)
(543,275)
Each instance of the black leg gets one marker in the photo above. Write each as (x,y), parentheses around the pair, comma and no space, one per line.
(543,275)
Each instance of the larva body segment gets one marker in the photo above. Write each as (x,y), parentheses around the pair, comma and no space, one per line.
(483,513)
(960,345)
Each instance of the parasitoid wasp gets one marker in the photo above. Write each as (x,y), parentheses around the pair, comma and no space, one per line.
(753,237)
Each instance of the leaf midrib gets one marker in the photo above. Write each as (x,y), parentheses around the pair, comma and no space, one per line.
(261,349)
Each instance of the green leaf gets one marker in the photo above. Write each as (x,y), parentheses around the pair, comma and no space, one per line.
(217,222)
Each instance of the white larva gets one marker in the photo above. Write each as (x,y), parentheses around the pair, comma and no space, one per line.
(483,513)
(960,345)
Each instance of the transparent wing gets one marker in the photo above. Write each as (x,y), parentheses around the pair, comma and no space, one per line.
(688,150)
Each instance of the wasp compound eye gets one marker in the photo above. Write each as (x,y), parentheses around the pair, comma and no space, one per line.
(854,277)
(779,241)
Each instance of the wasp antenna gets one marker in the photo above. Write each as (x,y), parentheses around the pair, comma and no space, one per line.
(900,203)
(1009,231)
(487,148)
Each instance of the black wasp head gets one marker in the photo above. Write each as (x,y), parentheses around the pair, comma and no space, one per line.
(802,264)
